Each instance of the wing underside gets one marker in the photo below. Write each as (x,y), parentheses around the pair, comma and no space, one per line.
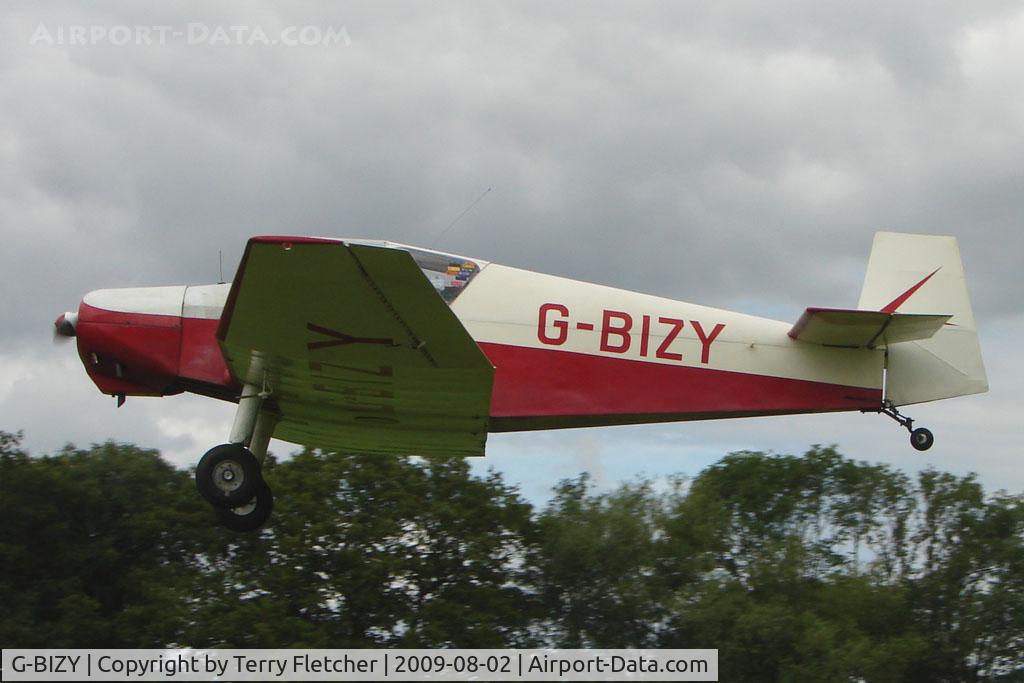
(356,348)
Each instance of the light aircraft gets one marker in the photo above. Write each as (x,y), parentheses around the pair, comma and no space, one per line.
(376,347)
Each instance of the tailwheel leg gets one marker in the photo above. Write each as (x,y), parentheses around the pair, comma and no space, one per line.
(920,438)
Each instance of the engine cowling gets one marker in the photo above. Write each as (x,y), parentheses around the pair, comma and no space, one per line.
(130,339)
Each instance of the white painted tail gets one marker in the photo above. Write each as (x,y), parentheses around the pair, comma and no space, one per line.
(924,274)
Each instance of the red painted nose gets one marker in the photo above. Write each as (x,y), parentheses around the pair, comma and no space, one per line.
(129,339)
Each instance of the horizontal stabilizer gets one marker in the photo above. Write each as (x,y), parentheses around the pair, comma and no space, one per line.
(864,329)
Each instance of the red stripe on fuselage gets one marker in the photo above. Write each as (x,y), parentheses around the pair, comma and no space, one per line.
(542,382)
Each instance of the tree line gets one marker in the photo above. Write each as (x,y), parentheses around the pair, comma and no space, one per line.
(815,567)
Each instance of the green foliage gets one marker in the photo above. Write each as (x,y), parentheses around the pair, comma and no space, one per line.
(795,568)
(91,543)
(597,566)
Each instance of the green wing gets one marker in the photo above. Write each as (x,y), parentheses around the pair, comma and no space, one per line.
(357,349)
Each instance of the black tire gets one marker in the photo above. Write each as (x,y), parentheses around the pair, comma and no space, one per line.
(228,475)
(921,439)
(250,516)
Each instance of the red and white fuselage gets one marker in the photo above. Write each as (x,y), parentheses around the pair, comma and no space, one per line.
(566,353)
(571,353)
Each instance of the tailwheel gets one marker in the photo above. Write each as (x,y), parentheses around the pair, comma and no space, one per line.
(251,515)
(228,475)
(921,439)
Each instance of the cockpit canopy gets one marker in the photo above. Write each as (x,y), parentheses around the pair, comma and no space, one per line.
(448,273)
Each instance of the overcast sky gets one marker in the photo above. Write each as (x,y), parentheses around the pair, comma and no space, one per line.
(734,154)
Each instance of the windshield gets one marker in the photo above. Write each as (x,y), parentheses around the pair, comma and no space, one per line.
(449,274)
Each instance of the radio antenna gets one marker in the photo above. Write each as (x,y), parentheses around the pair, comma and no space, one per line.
(220,260)
(459,217)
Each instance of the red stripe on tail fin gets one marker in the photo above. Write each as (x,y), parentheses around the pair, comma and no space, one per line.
(902,298)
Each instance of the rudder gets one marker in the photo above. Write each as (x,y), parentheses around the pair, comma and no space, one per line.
(924,274)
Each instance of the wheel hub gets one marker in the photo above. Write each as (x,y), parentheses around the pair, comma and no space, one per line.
(228,475)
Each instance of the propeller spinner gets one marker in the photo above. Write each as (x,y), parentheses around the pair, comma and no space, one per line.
(64,326)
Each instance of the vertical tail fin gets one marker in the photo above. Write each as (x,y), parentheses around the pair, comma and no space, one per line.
(924,274)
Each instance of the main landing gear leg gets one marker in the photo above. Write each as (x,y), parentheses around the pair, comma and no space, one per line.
(920,438)
(229,475)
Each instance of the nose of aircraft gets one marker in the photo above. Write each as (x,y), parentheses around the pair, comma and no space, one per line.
(128,339)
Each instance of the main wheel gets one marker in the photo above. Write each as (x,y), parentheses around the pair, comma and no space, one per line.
(228,475)
(921,439)
(250,516)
